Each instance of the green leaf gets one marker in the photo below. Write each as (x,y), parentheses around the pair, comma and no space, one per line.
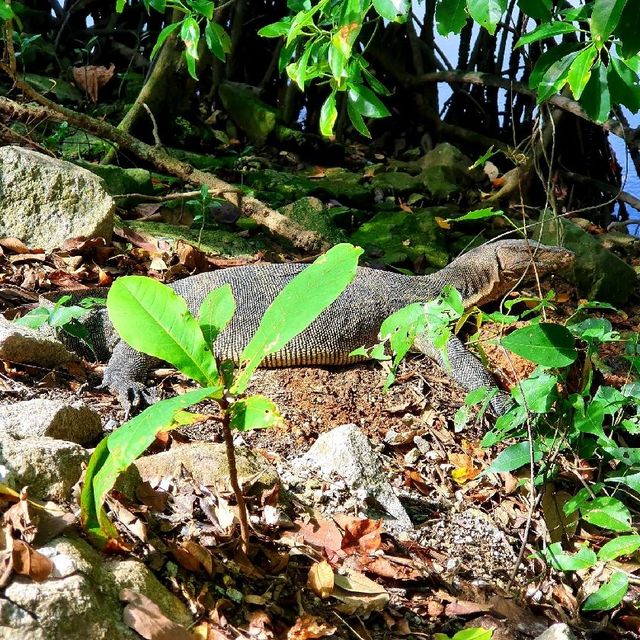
(537,9)
(550,56)
(120,5)
(217,40)
(337,63)
(204,8)
(254,412)
(275,29)
(604,19)
(607,513)
(216,311)
(627,30)
(35,318)
(328,115)
(537,392)
(153,319)
(357,120)
(451,16)
(487,12)
(609,595)
(590,420)
(580,70)
(554,78)
(164,34)
(478,214)
(596,99)
(559,559)
(365,102)
(546,30)
(512,458)
(298,305)
(631,480)
(190,36)
(624,85)
(392,10)
(118,450)
(620,546)
(550,345)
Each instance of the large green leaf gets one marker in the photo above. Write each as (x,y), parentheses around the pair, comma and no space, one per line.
(624,84)
(537,392)
(609,595)
(216,311)
(555,77)
(559,559)
(365,102)
(393,10)
(580,70)
(627,29)
(328,115)
(546,30)
(153,319)
(604,19)
(607,513)
(487,12)
(451,16)
(118,450)
(537,9)
(596,99)
(254,412)
(513,457)
(620,546)
(550,345)
(298,305)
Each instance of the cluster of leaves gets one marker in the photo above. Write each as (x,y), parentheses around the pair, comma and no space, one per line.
(601,68)
(319,45)
(323,42)
(195,15)
(153,319)
(580,419)
(63,317)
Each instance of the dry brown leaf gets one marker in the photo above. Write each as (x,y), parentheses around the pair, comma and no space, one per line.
(442,223)
(29,562)
(146,618)
(321,579)
(308,627)
(321,533)
(391,568)
(465,608)
(14,244)
(360,534)
(358,594)
(92,78)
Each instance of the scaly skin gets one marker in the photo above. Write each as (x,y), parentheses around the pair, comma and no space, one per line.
(482,275)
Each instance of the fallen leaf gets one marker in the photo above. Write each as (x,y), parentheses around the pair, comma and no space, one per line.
(358,594)
(442,223)
(29,562)
(146,618)
(360,533)
(92,78)
(321,579)
(308,627)
(561,526)
(320,533)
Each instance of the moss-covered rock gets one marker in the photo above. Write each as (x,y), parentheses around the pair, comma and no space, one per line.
(278,187)
(310,213)
(398,182)
(398,237)
(445,171)
(254,117)
(119,181)
(344,186)
(598,273)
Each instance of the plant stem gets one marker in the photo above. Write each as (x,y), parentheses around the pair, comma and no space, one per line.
(233,475)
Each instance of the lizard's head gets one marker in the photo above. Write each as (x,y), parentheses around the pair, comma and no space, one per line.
(518,258)
(495,269)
